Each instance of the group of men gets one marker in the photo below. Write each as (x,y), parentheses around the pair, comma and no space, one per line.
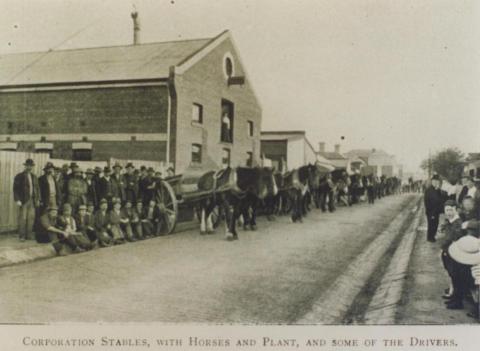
(459,244)
(103,207)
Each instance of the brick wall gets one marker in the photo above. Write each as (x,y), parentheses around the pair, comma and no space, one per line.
(205,84)
(104,150)
(141,109)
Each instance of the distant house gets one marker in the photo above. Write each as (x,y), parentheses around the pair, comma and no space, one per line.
(377,162)
(351,164)
(472,164)
(287,148)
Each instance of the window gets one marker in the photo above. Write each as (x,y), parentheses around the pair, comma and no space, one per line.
(226,122)
(225,158)
(228,66)
(196,153)
(197,113)
(250,129)
(82,155)
(249,159)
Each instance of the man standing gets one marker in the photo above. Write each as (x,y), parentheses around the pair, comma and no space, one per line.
(77,189)
(105,188)
(91,187)
(118,183)
(131,184)
(50,193)
(26,194)
(433,207)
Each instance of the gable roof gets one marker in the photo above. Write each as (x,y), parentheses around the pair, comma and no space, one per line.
(116,63)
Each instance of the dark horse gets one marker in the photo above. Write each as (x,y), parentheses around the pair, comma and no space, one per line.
(296,184)
(237,191)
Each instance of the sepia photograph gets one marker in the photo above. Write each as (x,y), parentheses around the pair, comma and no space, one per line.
(240,162)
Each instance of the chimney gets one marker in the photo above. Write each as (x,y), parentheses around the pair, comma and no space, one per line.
(136,27)
(337,148)
(321,147)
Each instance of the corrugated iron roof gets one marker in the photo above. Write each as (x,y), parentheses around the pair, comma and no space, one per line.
(130,62)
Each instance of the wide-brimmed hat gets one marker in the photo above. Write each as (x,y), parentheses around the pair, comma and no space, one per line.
(117,165)
(48,165)
(129,165)
(466,250)
(29,162)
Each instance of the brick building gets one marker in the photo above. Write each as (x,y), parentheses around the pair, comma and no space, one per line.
(184,102)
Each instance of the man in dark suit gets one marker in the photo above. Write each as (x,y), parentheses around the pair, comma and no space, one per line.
(91,187)
(50,193)
(105,186)
(118,183)
(434,201)
(26,194)
(131,183)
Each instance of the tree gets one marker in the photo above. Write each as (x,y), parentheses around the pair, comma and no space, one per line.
(448,163)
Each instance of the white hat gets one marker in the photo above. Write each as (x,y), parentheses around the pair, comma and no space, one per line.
(466,250)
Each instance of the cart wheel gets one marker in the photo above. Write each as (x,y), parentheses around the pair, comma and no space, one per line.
(168,204)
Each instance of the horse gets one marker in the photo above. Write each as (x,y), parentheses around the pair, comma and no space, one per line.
(236,191)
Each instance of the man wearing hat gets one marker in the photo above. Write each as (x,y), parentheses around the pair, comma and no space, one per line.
(105,187)
(102,225)
(131,183)
(50,227)
(147,186)
(50,193)
(433,207)
(77,189)
(91,187)
(26,194)
(118,183)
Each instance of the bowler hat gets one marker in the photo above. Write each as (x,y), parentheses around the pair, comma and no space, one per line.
(466,250)
(29,162)
(89,171)
(435,177)
(98,169)
(73,165)
(107,170)
(150,169)
(117,165)
(143,168)
(48,165)
(129,165)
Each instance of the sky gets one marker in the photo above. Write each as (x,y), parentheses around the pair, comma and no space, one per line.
(402,76)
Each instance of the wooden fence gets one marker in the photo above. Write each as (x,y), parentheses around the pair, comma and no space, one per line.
(11,163)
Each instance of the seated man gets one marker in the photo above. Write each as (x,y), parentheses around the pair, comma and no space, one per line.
(453,232)
(68,224)
(51,228)
(151,221)
(102,225)
(128,212)
(115,221)
(85,225)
